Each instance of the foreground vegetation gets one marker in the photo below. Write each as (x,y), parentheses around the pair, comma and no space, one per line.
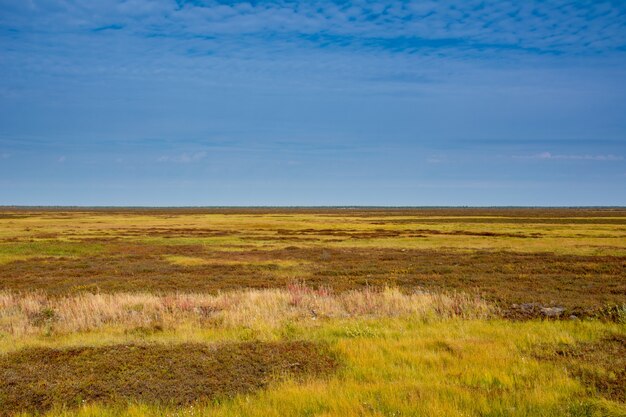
(313,312)
(384,366)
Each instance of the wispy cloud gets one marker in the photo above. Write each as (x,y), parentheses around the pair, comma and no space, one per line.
(435,159)
(349,89)
(573,157)
(392,42)
(183,158)
(559,25)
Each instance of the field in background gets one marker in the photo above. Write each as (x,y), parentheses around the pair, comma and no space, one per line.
(403,311)
(575,259)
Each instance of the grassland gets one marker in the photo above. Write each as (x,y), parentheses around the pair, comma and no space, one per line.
(398,312)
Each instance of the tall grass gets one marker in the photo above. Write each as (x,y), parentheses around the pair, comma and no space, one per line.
(24,314)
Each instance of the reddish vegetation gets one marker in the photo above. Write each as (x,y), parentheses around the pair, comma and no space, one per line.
(577,282)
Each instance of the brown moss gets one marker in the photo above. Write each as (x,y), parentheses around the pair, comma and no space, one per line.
(600,366)
(582,284)
(39,379)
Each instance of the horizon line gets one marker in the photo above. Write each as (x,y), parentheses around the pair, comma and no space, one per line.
(2,207)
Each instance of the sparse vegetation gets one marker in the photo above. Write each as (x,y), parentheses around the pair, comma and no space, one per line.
(388,312)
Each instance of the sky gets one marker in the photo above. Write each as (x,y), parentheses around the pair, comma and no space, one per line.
(397,103)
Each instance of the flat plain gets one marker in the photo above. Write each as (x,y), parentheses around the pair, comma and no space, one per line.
(353,311)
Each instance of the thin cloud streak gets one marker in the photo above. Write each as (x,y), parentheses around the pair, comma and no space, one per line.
(585,157)
(183,158)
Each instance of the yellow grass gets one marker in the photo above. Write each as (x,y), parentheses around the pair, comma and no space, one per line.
(404,367)
(37,314)
(564,238)
(401,354)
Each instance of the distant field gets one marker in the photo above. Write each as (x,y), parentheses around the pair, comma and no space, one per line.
(572,258)
(397,311)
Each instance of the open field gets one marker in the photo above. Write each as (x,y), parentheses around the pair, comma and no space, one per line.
(571,258)
(320,312)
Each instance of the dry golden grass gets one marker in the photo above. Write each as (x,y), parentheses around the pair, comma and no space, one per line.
(37,313)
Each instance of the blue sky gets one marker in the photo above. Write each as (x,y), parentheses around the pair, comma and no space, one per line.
(155,102)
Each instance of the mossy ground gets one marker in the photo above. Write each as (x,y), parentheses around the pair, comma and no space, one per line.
(39,379)
(429,364)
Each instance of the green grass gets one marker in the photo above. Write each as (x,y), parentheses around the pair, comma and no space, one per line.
(46,248)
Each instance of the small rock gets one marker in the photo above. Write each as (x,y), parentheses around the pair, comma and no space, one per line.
(573,317)
(552,311)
